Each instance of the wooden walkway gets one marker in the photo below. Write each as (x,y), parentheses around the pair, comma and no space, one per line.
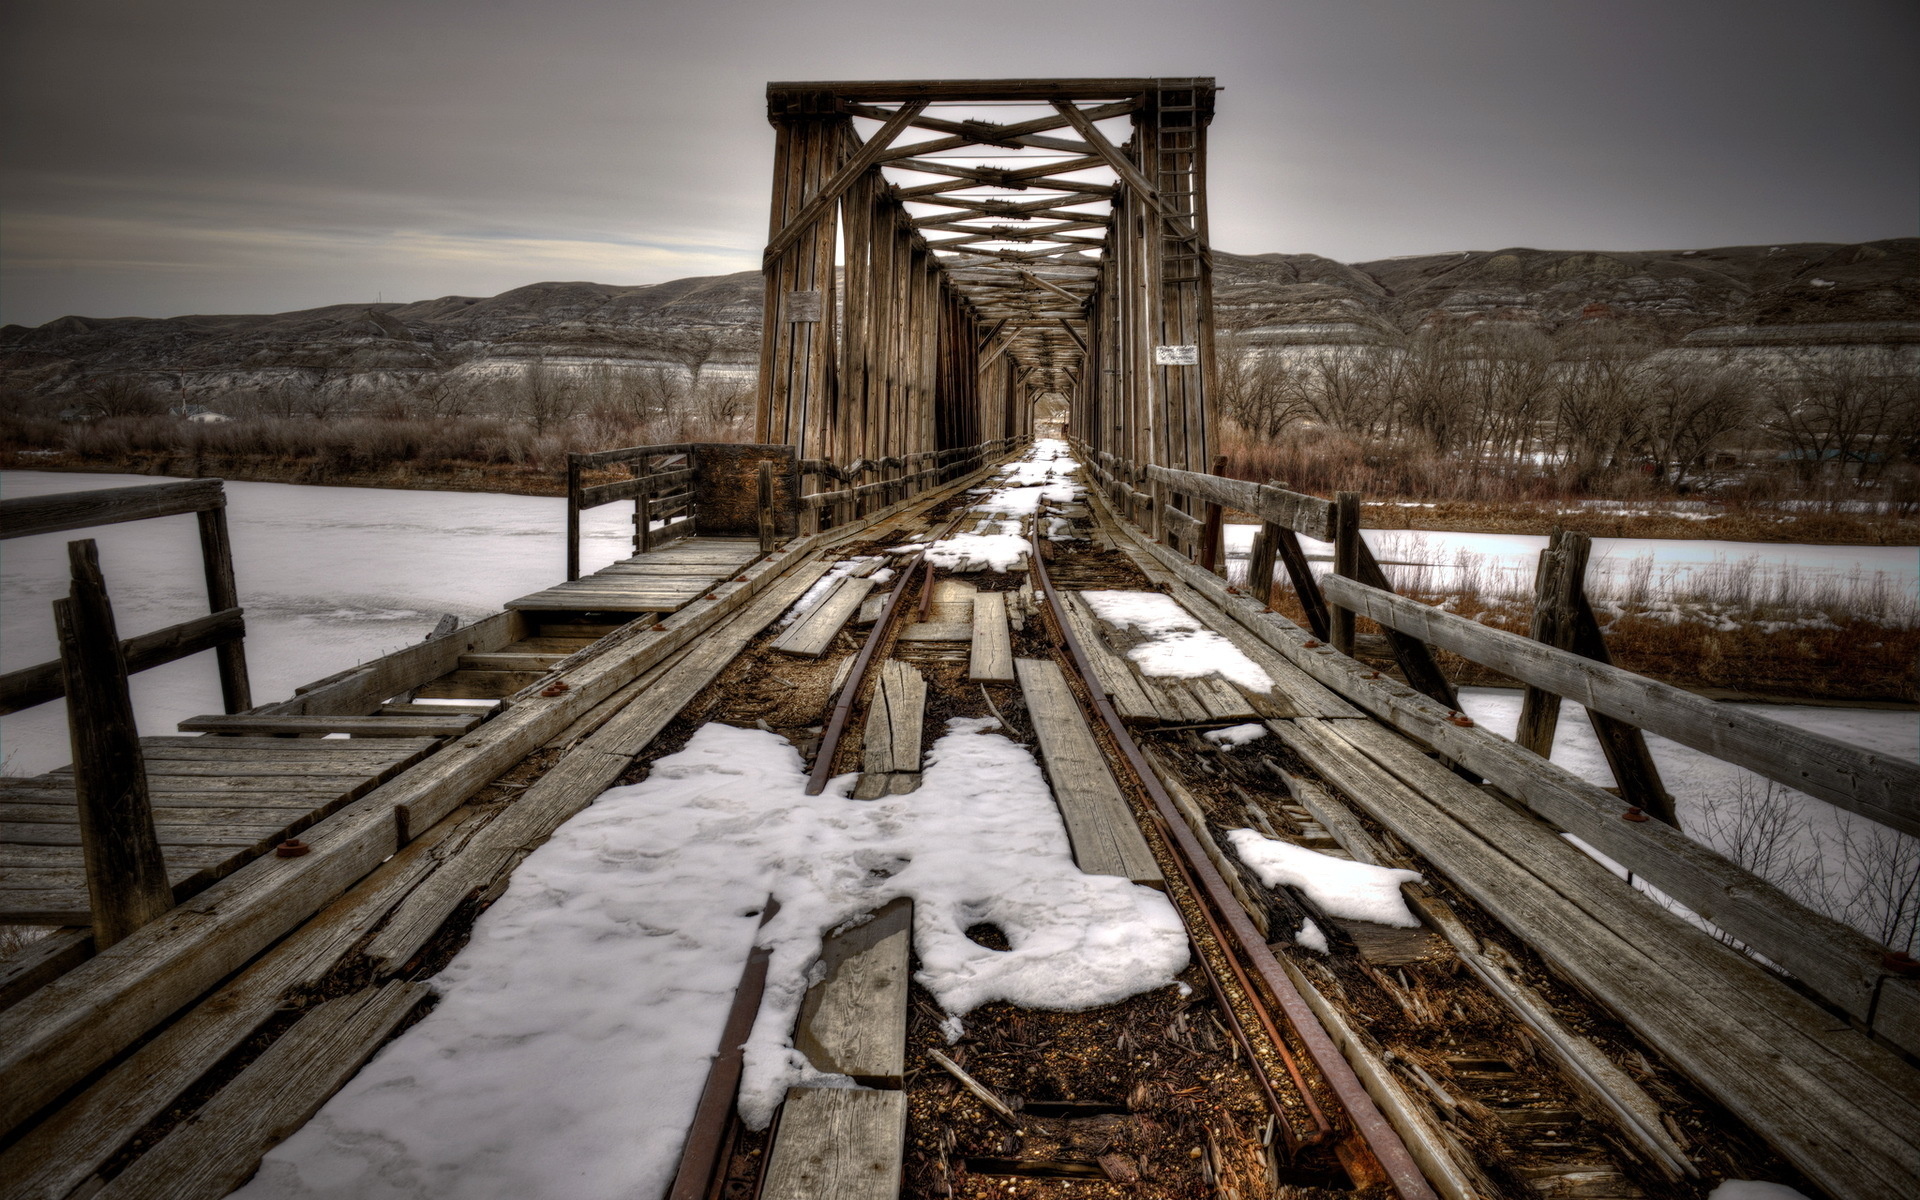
(218,803)
(659,581)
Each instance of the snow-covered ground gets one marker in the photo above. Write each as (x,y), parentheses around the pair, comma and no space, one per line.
(574,1032)
(1506,561)
(329,577)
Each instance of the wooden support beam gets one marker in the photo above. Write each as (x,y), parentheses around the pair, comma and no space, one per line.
(126,875)
(869,154)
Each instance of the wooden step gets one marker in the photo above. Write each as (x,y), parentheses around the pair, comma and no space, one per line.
(506,661)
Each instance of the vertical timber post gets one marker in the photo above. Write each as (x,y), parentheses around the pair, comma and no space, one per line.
(1266,544)
(1562,564)
(1210,530)
(573,516)
(216,556)
(766,506)
(126,875)
(1346,562)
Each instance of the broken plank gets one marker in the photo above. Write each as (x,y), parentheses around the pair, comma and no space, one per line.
(1106,840)
(854,1021)
(992,659)
(894,720)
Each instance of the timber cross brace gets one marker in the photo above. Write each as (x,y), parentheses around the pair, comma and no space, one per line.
(946,257)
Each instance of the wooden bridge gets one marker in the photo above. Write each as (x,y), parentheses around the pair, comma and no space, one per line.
(245,915)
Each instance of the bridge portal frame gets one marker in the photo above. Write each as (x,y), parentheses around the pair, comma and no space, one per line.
(881,342)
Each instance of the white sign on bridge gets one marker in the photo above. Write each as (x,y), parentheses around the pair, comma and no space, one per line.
(1176,356)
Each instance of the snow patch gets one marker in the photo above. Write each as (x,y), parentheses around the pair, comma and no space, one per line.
(1180,646)
(1342,888)
(997,551)
(1311,937)
(595,989)
(1237,735)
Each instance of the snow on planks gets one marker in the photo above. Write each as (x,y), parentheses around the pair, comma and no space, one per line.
(812,635)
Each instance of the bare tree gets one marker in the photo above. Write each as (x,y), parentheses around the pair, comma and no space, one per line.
(123,396)
(1691,408)
(1599,395)
(1254,388)
(1848,410)
(692,349)
(543,396)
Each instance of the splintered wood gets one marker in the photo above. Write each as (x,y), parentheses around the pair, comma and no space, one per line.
(892,747)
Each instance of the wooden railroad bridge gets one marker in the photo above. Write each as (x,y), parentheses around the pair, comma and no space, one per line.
(242,916)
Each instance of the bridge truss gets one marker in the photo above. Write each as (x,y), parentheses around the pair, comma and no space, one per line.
(944,256)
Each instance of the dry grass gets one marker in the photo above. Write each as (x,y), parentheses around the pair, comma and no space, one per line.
(1410,488)
(462,453)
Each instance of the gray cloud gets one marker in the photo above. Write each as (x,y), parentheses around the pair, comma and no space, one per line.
(212,156)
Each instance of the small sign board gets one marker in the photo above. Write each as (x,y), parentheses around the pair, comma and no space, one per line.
(1176,356)
(803,307)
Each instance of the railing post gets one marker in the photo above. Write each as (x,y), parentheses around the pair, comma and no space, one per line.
(766,506)
(216,556)
(643,511)
(1563,618)
(1346,562)
(1562,565)
(1260,563)
(573,516)
(126,875)
(1210,526)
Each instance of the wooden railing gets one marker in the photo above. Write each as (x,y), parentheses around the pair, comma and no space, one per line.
(223,630)
(661,486)
(899,477)
(1632,825)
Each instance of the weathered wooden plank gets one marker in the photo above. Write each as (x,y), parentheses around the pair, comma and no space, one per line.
(479,685)
(628,489)
(895,718)
(50,1160)
(1309,515)
(992,657)
(196,833)
(1843,1110)
(1106,840)
(854,1022)
(838,1142)
(106,506)
(1115,675)
(508,660)
(356,726)
(361,689)
(210,1155)
(27,969)
(1878,786)
(813,634)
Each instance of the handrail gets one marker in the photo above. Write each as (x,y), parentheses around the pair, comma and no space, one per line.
(1301,513)
(1875,786)
(108,506)
(223,630)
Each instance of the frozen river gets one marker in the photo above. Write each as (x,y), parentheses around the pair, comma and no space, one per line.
(329,577)
(332,576)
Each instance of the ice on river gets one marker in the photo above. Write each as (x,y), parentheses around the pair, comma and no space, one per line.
(329,576)
(574,1031)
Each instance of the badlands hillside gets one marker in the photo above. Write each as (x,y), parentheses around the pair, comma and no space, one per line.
(1774,302)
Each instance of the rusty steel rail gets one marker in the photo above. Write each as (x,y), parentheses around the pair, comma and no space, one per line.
(1379,1136)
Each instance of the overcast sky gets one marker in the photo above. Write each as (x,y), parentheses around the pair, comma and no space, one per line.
(215,156)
